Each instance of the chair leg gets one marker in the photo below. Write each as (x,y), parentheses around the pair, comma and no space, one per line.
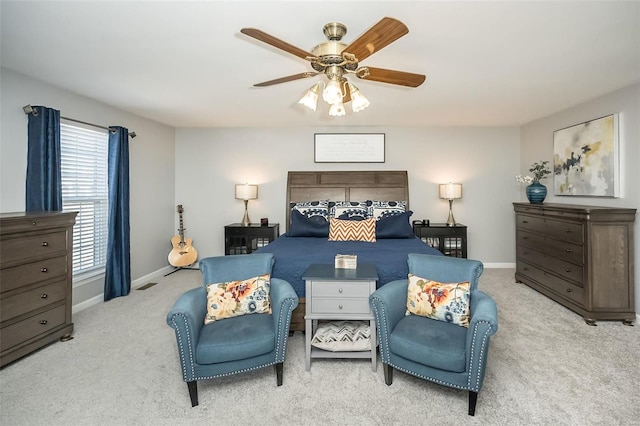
(193,392)
(279,369)
(473,398)
(388,373)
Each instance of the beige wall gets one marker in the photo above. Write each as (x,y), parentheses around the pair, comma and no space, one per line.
(537,144)
(210,161)
(152,161)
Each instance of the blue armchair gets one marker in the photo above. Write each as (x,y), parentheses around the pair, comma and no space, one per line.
(231,345)
(438,351)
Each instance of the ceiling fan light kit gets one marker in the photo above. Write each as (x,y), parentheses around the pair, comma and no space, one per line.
(336,60)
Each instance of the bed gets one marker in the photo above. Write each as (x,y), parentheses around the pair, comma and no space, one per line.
(293,254)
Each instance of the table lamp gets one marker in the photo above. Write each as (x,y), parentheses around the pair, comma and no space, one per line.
(450,191)
(246,192)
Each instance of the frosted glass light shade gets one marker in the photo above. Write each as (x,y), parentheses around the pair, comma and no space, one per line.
(358,100)
(310,99)
(332,93)
(337,109)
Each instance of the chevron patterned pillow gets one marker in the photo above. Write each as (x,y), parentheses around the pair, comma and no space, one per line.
(336,336)
(352,230)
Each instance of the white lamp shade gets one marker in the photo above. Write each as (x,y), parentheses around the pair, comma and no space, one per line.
(337,109)
(310,99)
(246,191)
(358,100)
(450,191)
(332,93)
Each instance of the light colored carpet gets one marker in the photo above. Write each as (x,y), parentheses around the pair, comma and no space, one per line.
(546,367)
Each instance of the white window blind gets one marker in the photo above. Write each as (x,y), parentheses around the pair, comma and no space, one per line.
(84,189)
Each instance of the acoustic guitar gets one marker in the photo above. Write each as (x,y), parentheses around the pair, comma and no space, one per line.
(183,253)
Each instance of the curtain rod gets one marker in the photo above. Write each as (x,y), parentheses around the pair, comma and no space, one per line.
(28,109)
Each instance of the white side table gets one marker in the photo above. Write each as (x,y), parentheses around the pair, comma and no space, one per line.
(339,294)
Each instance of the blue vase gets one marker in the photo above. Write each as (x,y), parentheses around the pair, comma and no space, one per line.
(536,193)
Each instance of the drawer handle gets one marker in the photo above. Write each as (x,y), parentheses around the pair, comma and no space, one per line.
(44,296)
(569,290)
(340,306)
(568,270)
(45,244)
(525,221)
(43,322)
(567,250)
(568,231)
(44,270)
(340,290)
(34,223)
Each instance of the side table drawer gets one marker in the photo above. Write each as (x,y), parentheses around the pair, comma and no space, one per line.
(340,305)
(340,289)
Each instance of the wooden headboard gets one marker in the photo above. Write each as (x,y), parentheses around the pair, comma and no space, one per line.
(346,186)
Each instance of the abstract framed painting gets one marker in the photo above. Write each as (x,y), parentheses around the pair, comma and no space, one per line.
(586,159)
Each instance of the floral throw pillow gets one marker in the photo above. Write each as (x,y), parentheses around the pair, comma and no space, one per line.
(448,302)
(235,298)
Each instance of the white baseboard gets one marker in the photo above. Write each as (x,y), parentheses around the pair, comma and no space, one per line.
(500,265)
(134,284)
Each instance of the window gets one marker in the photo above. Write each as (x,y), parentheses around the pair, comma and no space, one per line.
(84,189)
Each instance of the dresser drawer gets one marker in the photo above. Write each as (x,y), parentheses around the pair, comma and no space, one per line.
(564,250)
(353,305)
(340,289)
(565,269)
(20,276)
(31,327)
(557,284)
(16,249)
(535,224)
(31,300)
(566,231)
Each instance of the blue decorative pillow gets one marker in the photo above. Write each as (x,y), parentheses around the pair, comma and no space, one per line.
(380,209)
(302,226)
(312,208)
(349,210)
(395,226)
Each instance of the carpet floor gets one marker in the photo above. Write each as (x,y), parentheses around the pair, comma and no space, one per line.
(545,367)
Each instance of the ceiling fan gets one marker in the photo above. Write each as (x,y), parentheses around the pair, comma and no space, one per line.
(336,60)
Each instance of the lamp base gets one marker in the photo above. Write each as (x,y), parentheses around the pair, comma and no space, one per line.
(450,220)
(245,220)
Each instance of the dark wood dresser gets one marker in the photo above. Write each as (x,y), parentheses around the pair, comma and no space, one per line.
(580,256)
(35,281)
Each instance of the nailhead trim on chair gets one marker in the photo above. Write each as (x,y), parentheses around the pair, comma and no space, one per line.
(475,331)
(289,301)
(177,329)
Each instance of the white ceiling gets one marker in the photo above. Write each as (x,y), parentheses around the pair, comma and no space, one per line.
(186,64)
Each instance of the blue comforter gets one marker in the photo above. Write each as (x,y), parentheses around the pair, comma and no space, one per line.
(293,255)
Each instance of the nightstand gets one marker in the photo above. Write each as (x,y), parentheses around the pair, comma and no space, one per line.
(339,294)
(240,239)
(449,240)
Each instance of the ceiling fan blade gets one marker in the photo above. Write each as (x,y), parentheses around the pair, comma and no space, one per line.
(276,42)
(401,78)
(375,38)
(285,79)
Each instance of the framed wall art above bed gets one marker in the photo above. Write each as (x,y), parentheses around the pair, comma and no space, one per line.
(348,148)
(586,159)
